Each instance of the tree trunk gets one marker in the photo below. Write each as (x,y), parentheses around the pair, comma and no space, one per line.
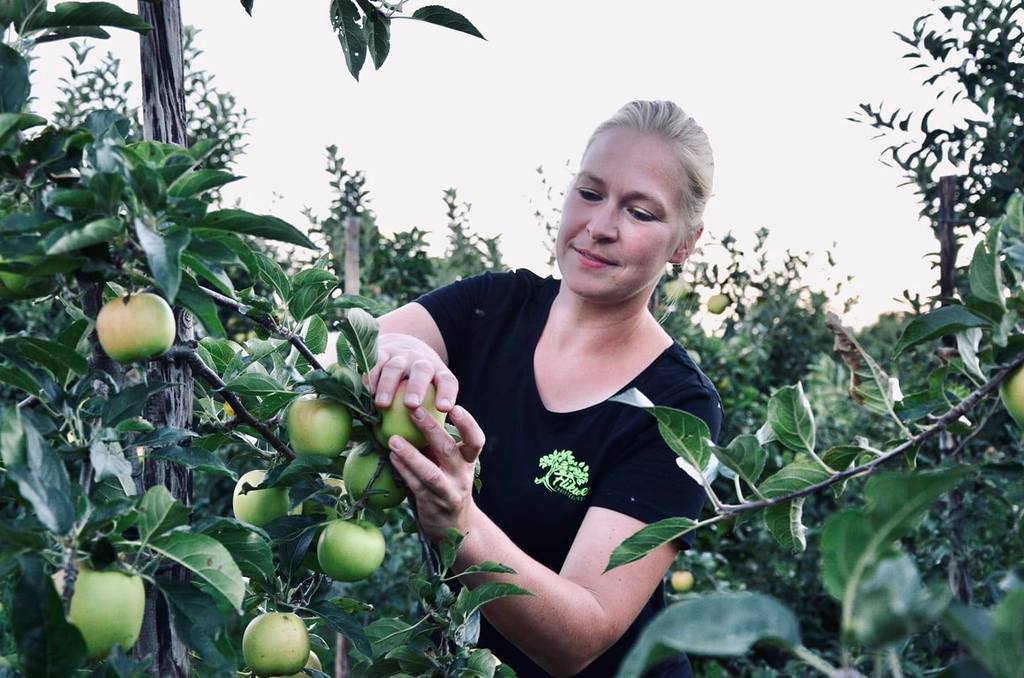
(163,105)
(956,568)
(352,240)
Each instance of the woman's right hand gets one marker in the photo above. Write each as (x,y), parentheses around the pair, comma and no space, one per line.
(401,357)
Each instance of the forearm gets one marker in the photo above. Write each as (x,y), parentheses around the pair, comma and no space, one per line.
(562,626)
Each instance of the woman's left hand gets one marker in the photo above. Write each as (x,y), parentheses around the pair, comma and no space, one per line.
(440,476)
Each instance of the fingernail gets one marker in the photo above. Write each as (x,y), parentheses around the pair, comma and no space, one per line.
(457,412)
(444,404)
(413,401)
(395,443)
(419,414)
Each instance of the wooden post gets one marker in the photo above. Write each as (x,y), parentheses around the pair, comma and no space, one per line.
(956,569)
(163,105)
(352,235)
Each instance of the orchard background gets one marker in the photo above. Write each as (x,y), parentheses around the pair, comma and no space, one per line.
(865,513)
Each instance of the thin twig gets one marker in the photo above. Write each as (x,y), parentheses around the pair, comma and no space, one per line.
(941,424)
(361,502)
(210,377)
(269,324)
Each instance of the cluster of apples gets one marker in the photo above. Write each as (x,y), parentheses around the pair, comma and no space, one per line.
(347,549)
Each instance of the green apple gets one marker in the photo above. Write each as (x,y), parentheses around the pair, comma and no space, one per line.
(275,644)
(359,468)
(136,327)
(319,426)
(717,303)
(107,608)
(396,418)
(682,581)
(1011,391)
(312,663)
(258,507)
(21,286)
(350,550)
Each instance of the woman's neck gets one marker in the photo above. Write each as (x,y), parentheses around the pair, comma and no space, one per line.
(576,324)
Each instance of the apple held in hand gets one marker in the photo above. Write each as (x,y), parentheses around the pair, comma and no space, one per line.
(258,507)
(396,418)
(319,426)
(359,469)
(350,550)
(107,608)
(136,327)
(275,644)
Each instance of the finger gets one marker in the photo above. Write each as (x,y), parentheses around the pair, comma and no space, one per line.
(420,373)
(391,375)
(374,374)
(438,439)
(420,473)
(473,437)
(447,389)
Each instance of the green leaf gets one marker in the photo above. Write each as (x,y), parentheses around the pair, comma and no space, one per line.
(159,512)
(43,482)
(69,32)
(740,621)
(129,402)
(163,252)
(192,183)
(108,460)
(210,272)
(488,566)
(52,355)
(1007,642)
(378,32)
(343,623)
(648,538)
(344,18)
(262,226)
(791,418)
(48,645)
(17,378)
(744,456)
(13,122)
(87,14)
(316,335)
(207,559)
(442,16)
(892,604)
(193,458)
(947,320)
(13,444)
(309,300)
(250,550)
(200,624)
(985,275)
(1015,212)
(199,303)
(359,330)
(469,601)
(785,522)
(14,85)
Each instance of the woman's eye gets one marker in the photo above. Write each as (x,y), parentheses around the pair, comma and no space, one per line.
(641,215)
(588,195)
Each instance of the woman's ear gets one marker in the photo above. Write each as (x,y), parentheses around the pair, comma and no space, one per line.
(686,246)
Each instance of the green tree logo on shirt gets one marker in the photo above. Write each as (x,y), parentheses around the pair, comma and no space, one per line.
(564,474)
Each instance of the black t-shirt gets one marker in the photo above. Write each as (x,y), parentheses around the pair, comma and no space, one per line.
(542,470)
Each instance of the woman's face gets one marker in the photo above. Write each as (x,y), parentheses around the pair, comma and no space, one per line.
(621,217)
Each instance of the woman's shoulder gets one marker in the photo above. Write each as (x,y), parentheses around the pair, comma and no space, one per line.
(676,380)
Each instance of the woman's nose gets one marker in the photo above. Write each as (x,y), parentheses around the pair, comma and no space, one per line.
(603,225)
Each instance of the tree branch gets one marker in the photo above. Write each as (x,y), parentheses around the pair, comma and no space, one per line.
(242,414)
(269,324)
(941,424)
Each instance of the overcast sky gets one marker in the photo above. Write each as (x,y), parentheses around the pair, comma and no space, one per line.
(771,82)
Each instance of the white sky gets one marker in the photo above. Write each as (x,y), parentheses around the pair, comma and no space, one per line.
(772,83)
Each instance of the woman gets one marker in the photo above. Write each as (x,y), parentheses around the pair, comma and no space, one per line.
(566,476)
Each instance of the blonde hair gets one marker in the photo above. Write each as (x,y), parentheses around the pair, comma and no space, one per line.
(689,144)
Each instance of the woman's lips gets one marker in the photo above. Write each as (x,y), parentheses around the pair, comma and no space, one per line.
(592,260)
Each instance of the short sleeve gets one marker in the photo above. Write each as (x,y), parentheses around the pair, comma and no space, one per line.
(453,305)
(646,483)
